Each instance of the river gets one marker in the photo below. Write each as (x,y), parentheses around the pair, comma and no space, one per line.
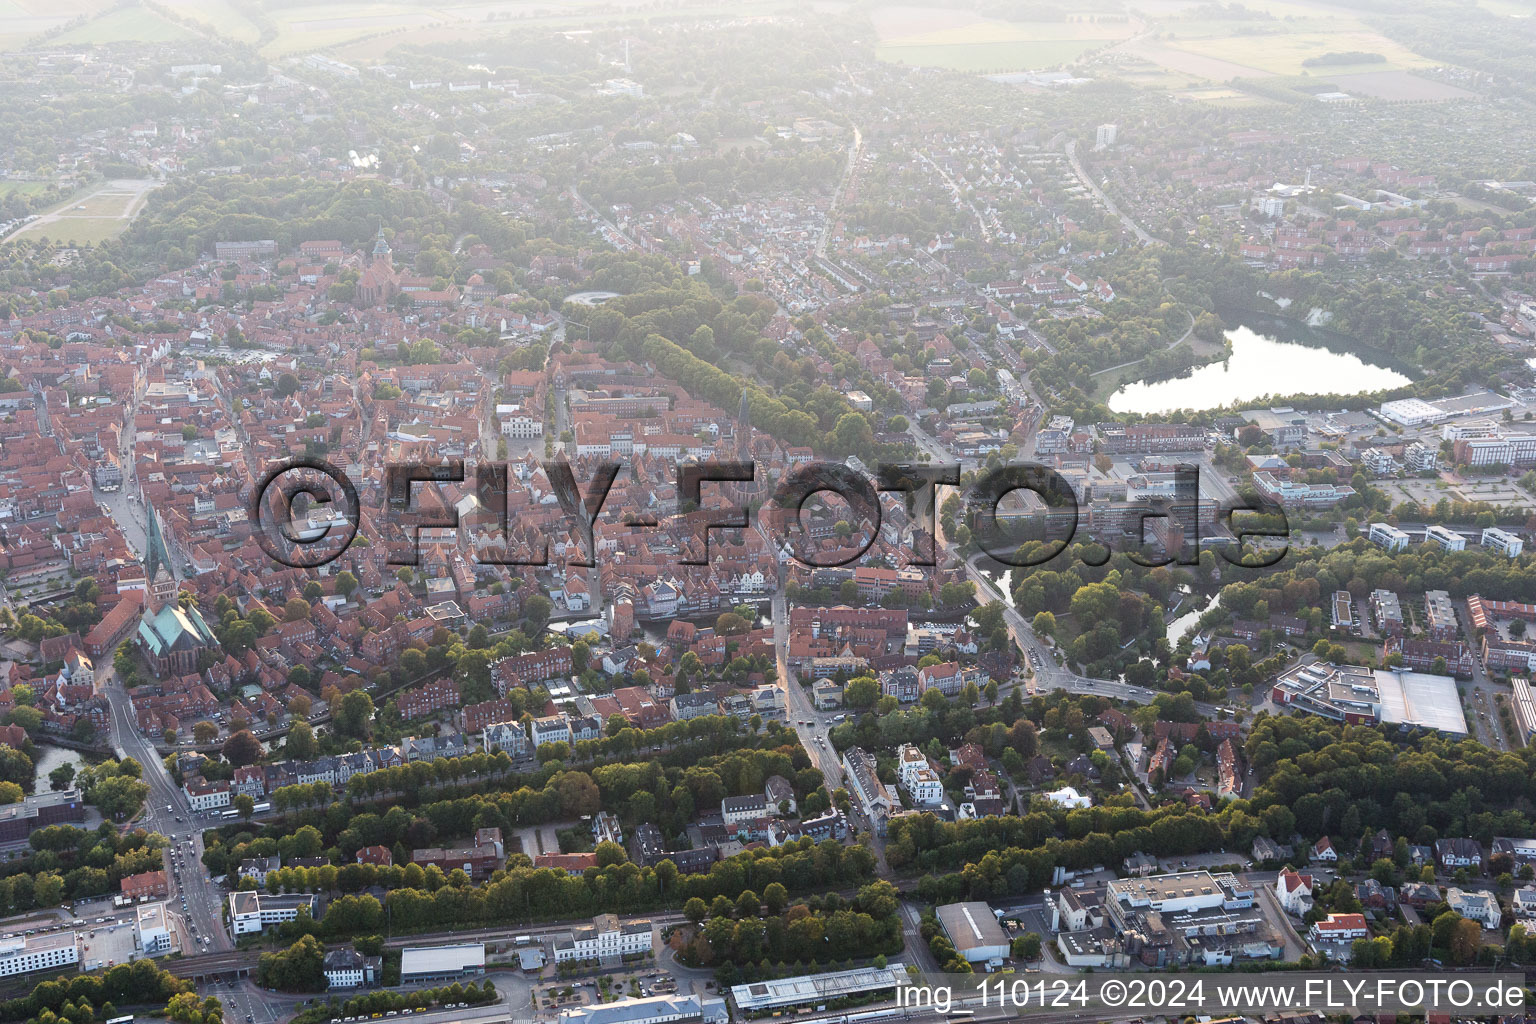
(1186,622)
(1287,359)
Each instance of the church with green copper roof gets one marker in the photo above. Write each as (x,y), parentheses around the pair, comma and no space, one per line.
(171,637)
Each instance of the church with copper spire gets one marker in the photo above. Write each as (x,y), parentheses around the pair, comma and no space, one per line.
(172,638)
(379,281)
(756,490)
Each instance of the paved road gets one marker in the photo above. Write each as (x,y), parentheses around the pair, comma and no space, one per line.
(1483,720)
(1104,200)
(1048,674)
(837,195)
(958,196)
(797,706)
(813,726)
(193,895)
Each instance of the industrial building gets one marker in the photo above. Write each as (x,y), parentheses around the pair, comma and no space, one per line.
(805,989)
(690,1009)
(1360,696)
(1193,917)
(973,930)
(17,821)
(1523,707)
(1412,412)
(421,964)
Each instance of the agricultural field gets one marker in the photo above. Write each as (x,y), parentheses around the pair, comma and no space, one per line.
(91,217)
(366,31)
(1286,52)
(22,20)
(1195,65)
(1509,8)
(221,16)
(1398,85)
(321,26)
(988,57)
(962,41)
(135,24)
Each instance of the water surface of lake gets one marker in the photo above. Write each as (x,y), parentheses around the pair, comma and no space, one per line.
(1260,365)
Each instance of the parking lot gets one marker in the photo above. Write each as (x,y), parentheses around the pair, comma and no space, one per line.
(104,945)
(561,995)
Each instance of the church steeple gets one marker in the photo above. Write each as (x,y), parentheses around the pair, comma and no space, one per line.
(157,562)
(381,249)
(743,428)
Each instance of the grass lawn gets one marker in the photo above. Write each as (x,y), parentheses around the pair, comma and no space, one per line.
(81,230)
(87,218)
(102,204)
(26,188)
(1361,651)
(135,24)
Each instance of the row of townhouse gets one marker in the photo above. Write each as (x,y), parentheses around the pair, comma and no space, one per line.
(334,770)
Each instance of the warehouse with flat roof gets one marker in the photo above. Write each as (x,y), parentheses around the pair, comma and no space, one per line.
(1524,707)
(973,930)
(815,988)
(1421,700)
(690,1009)
(441,963)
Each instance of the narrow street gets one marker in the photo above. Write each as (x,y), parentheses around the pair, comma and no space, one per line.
(1108,204)
(854,149)
(166,811)
(813,726)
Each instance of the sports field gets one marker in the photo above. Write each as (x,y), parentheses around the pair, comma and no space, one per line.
(91,217)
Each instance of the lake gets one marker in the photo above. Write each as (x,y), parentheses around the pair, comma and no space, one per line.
(49,758)
(1261,365)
